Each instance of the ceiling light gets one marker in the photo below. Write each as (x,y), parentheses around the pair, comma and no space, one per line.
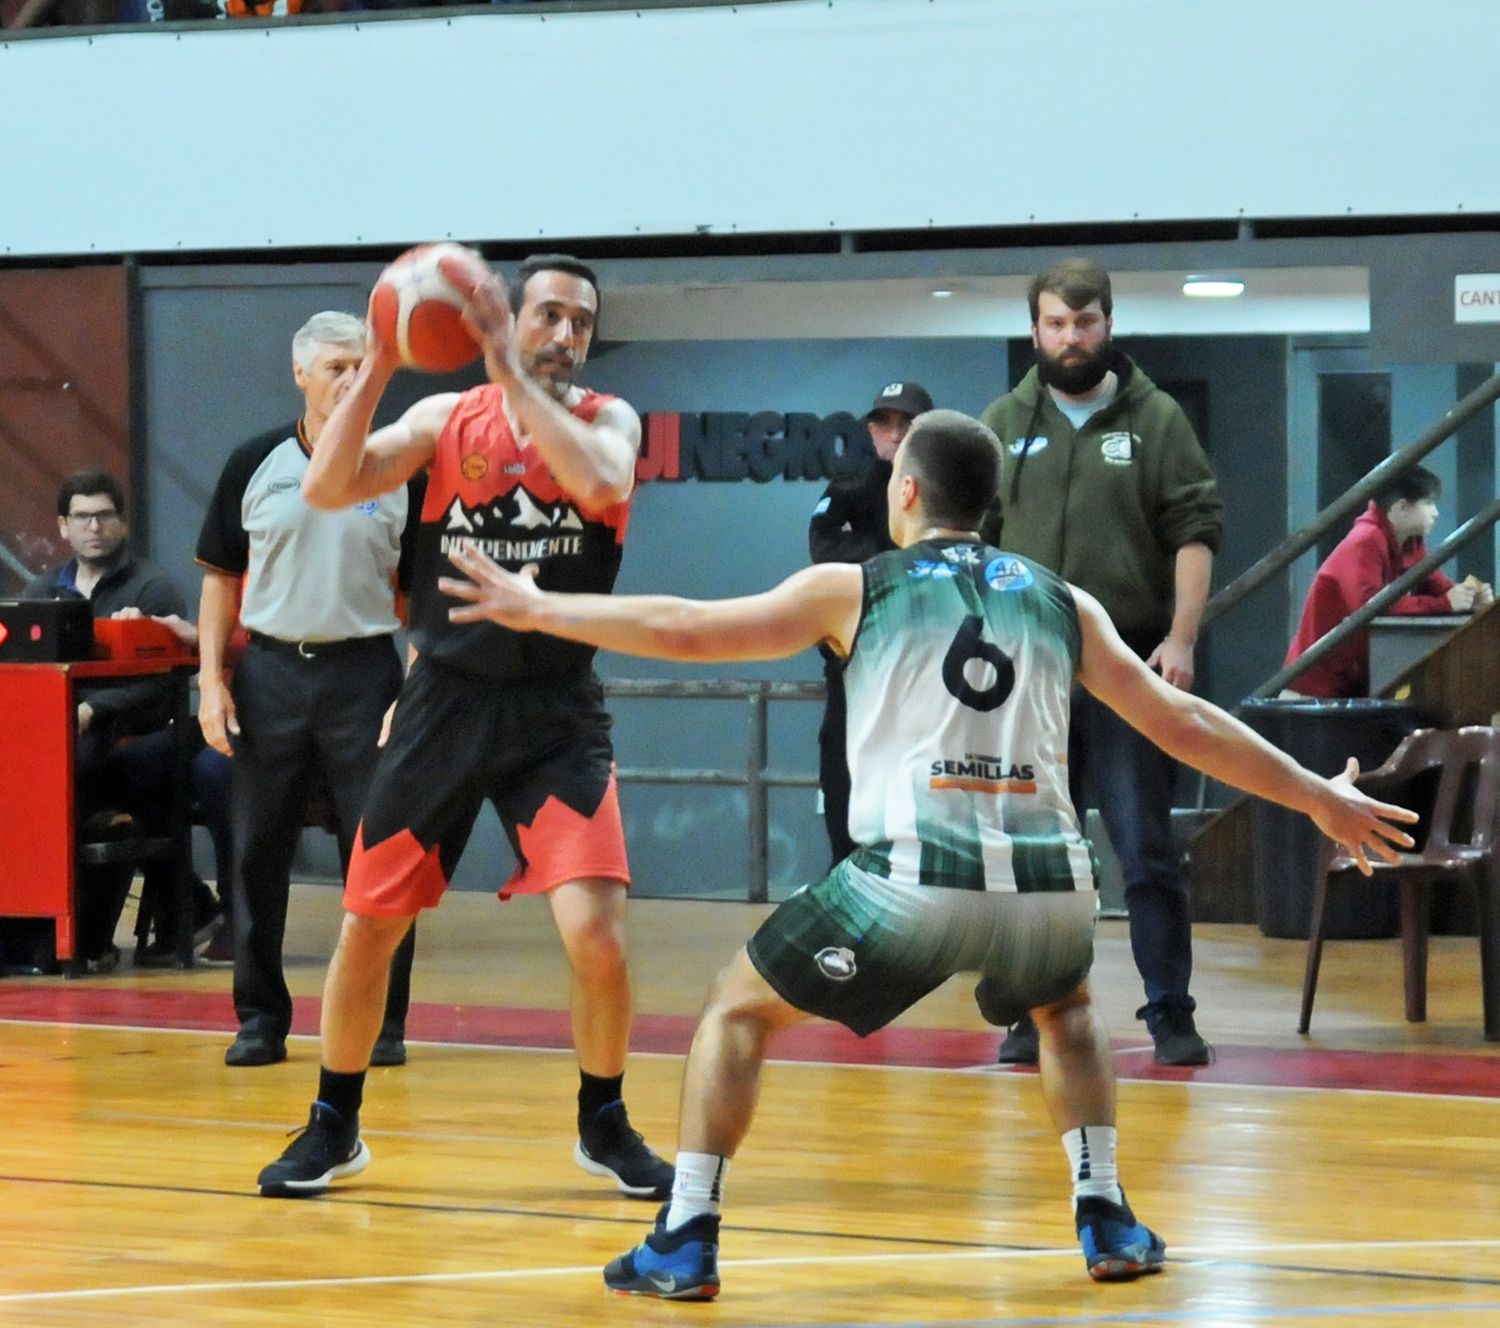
(1213,288)
(942,294)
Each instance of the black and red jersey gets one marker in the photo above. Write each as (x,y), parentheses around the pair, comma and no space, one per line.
(486,488)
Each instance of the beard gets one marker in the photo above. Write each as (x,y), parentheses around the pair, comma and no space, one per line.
(1081,373)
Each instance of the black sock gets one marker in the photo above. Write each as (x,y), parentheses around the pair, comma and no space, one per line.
(342,1092)
(596,1093)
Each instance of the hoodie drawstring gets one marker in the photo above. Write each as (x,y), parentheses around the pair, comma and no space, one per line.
(1026,441)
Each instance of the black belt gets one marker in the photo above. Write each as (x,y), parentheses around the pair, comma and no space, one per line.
(316,649)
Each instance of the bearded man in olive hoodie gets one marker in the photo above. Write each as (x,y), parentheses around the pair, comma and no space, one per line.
(1103,482)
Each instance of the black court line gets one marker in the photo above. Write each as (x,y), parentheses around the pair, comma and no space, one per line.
(346,1199)
(1387,1274)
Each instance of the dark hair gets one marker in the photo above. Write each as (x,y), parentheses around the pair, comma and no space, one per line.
(1077,282)
(956,462)
(1414,484)
(575,267)
(90,481)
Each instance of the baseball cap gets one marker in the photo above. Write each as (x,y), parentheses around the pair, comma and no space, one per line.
(908,398)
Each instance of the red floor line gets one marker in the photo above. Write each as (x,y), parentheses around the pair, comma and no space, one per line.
(1474,1074)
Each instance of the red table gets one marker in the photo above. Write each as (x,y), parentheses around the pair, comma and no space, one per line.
(38,836)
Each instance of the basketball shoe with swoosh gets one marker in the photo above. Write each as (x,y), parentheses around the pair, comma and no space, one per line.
(672,1265)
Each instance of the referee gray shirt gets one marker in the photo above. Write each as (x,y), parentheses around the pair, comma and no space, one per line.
(309,575)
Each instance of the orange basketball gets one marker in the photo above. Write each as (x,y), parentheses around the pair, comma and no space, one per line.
(415,308)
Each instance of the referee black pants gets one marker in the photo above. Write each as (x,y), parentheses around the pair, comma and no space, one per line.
(304,720)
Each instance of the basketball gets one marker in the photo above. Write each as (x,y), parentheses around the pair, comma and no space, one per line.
(415,308)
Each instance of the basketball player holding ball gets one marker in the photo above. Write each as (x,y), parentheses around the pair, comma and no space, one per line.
(538,472)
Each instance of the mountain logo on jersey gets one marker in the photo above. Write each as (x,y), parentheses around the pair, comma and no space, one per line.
(1007,573)
(836,962)
(517,509)
(548,530)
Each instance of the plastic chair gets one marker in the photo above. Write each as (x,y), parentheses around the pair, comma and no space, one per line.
(1460,846)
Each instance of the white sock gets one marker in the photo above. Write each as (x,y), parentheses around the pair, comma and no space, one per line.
(698,1188)
(1091,1157)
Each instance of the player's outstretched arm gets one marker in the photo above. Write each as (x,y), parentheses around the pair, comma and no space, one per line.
(817,604)
(350,464)
(1201,735)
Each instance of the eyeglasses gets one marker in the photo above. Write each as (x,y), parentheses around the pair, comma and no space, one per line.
(83,520)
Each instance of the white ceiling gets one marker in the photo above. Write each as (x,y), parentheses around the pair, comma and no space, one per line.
(1292,300)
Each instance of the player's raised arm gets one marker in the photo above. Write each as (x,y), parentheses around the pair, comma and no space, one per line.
(533,345)
(350,464)
(817,604)
(1201,735)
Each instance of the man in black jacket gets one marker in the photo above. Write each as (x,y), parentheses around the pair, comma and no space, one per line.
(849,525)
(123,758)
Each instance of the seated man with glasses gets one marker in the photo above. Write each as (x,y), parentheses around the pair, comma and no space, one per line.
(123,760)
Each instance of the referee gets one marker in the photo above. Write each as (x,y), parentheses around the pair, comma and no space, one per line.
(317,594)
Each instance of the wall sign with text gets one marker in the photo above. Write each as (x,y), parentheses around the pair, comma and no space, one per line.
(1476,297)
(733,445)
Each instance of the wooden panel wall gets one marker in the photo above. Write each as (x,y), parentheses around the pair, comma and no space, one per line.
(64,398)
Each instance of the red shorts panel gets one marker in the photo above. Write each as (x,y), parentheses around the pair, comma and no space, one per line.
(561,845)
(395,879)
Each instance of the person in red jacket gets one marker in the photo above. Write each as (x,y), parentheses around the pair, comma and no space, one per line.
(1387,538)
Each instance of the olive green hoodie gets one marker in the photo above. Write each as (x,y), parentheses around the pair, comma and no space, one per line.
(1108,506)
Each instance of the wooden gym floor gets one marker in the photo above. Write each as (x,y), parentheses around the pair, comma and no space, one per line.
(1348,1178)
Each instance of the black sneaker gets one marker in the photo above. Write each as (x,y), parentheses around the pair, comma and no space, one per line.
(325,1150)
(219,952)
(94,966)
(609,1147)
(674,1265)
(1021,1045)
(1116,1247)
(1176,1036)
(389,1049)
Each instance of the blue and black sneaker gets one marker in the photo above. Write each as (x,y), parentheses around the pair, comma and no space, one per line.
(674,1265)
(1115,1246)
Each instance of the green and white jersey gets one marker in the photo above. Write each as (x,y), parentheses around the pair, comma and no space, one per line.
(958,688)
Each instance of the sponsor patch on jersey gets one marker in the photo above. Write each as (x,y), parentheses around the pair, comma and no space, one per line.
(1007,573)
(369,508)
(1038,444)
(982,774)
(1118,448)
(836,962)
(474,466)
(283,484)
(965,555)
(925,569)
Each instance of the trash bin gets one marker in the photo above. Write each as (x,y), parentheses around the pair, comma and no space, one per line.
(1322,735)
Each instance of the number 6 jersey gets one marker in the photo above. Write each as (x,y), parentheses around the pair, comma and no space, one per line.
(958,686)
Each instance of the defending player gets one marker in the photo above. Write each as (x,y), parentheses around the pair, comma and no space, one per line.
(960,662)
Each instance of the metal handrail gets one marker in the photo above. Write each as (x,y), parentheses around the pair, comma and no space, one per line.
(1330,640)
(1291,548)
(9,558)
(755,779)
(1295,545)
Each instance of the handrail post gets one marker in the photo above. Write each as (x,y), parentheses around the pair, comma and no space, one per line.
(757,817)
(1296,544)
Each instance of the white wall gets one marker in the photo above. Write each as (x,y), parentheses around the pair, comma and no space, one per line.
(803,115)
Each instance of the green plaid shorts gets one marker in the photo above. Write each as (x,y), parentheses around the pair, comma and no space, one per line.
(859,950)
